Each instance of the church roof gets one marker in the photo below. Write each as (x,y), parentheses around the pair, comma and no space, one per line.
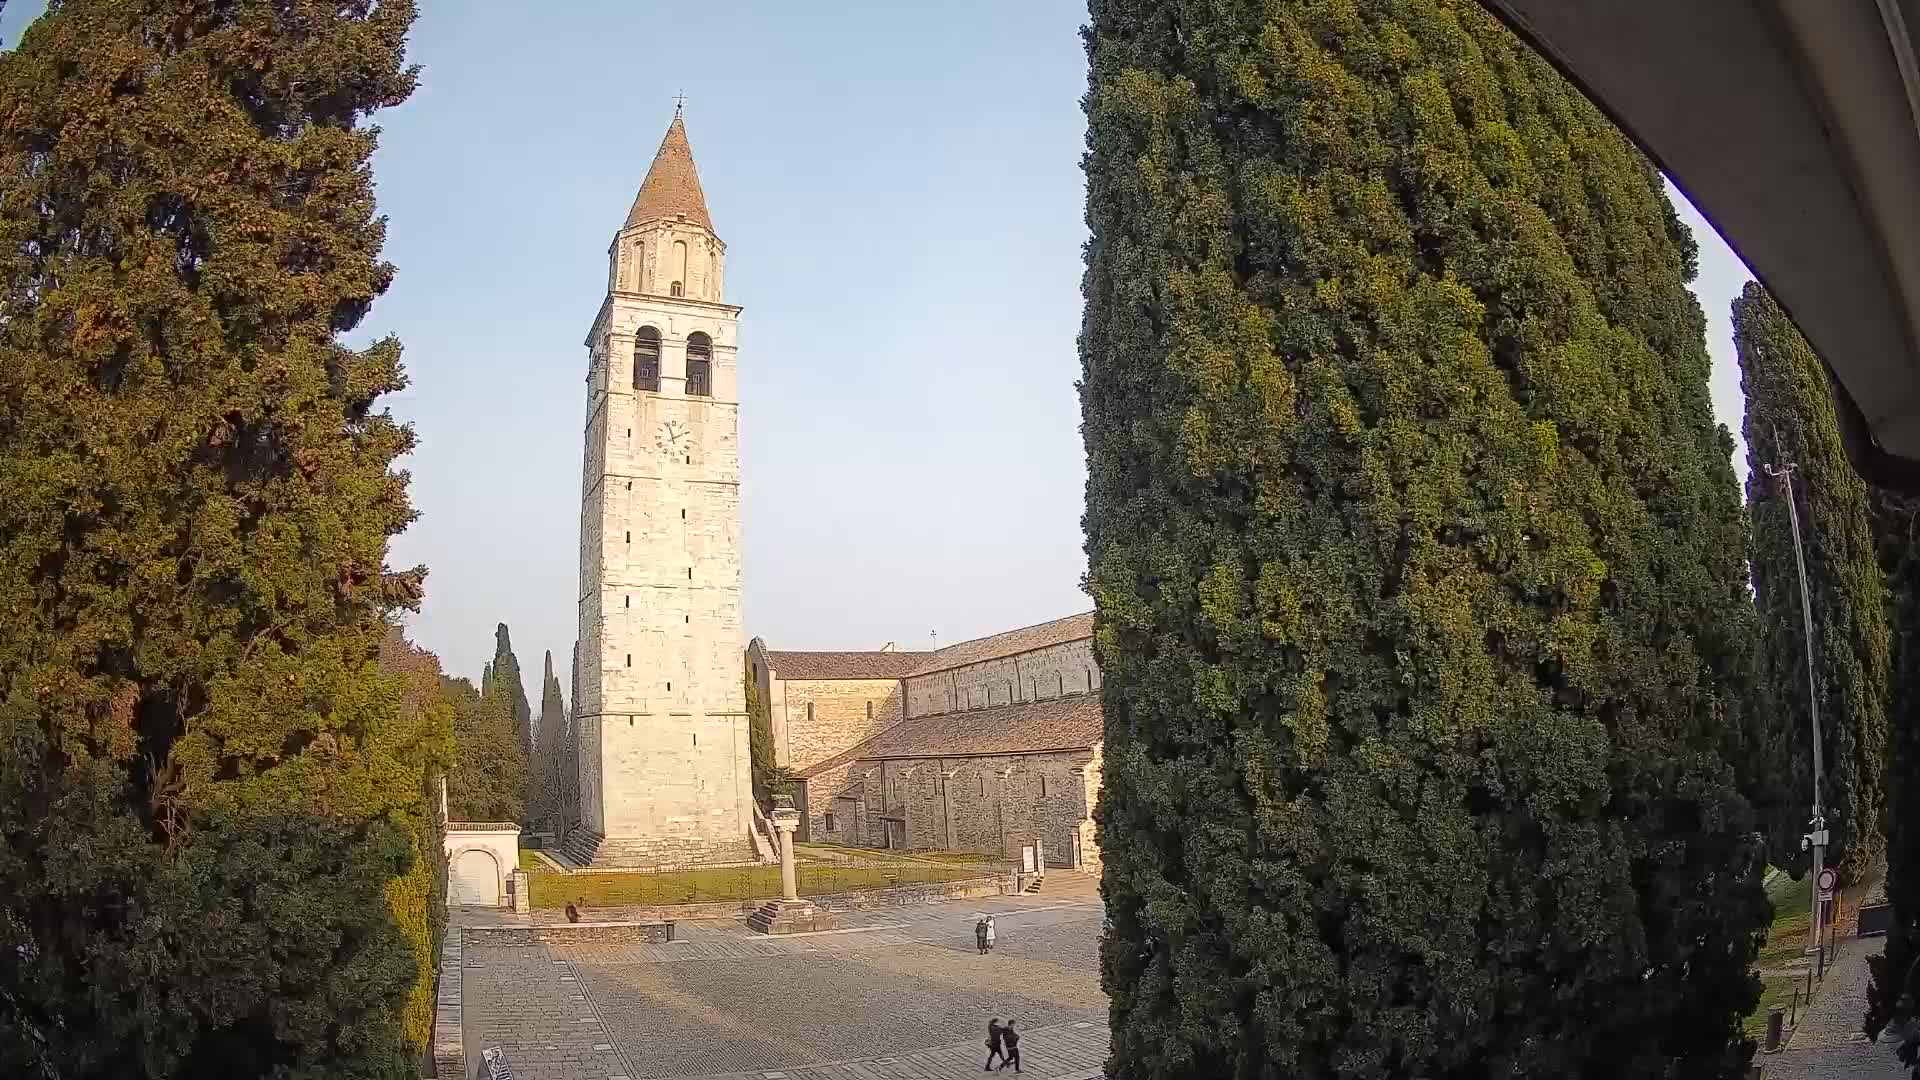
(1030,727)
(672,186)
(1025,639)
(844,665)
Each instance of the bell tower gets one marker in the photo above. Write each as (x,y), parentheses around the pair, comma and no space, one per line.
(662,721)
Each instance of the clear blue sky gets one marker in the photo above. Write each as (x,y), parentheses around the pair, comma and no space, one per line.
(900,193)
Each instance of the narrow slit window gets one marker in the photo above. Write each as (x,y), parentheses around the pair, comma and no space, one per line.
(629,659)
(1043,785)
(809,712)
(869,710)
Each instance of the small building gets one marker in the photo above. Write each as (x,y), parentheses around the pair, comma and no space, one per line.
(480,856)
(992,745)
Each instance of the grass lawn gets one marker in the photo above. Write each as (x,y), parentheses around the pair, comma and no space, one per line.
(551,890)
(1786,943)
(529,861)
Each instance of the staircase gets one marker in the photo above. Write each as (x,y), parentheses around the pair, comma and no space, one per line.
(580,848)
(764,848)
(1034,885)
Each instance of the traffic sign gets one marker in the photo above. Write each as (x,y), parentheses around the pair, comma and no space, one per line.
(1828,879)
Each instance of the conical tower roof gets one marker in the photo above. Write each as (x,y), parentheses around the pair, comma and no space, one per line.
(672,186)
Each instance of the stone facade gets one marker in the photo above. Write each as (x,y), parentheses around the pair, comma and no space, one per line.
(1050,672)
(664,768)
(990,804)
(1018,759)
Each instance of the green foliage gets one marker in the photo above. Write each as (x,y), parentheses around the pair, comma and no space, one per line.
(545,795)
(208,788)
(1419,561)
(1790,418)
(488,781)
(1894,996)
(418,899)
(503,682)
(570,751)
(759,738)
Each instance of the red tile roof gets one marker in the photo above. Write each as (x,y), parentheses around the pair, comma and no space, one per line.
(1025,639)
(1066,723)
(672,187)
(801,666)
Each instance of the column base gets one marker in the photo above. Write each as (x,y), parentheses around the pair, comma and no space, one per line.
(792,917)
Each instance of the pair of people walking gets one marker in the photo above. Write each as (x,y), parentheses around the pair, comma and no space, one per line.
(983,935)
(1004,1043)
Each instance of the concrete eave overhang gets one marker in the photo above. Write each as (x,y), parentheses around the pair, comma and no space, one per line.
(1794,126)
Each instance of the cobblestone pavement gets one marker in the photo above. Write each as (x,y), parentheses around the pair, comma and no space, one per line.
(898,993)
(1828,1044)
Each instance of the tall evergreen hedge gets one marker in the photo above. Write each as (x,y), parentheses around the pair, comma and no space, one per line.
(1431,741)
(1894,995)
(208,787)
(1790,419)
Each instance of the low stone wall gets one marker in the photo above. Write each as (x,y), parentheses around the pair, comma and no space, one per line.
(449,1042)
(856,900)
(600,933)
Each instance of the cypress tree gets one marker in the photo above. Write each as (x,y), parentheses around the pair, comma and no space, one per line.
(209,790)
(1790,418)
(549,751)
(1418,559)
(503,678)
(1893,997)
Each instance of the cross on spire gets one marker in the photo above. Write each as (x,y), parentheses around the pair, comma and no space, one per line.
(679,102)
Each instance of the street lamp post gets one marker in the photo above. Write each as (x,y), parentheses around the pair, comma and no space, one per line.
(1816,838)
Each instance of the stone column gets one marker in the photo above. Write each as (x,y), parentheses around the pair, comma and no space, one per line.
(789,914)
(785,820)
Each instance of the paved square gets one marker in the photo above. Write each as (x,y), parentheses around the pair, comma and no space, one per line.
(902,993)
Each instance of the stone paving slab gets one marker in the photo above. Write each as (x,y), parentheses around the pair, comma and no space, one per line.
(891,1000)
(1066,1052)
(1828,1043)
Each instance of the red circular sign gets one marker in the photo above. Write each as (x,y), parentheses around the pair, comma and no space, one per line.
(1828,879)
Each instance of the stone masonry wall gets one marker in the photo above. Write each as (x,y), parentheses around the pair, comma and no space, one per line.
(983,803)
(1066,668)
(821,718)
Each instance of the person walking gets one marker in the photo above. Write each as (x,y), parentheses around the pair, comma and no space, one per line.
(1011,1039)
(980,940)
(994,1049)
(990,933)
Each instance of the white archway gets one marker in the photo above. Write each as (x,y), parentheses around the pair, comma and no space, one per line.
(474,878)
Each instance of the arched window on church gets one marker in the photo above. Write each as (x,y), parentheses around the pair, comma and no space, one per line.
(678,289)
(646,359)
(699,365)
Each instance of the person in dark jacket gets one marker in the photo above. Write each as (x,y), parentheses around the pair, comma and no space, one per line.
(994,1049)
(980,936)
(1011,1039)
(573,913)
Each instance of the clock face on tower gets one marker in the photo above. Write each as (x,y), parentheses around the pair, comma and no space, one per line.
(671,438)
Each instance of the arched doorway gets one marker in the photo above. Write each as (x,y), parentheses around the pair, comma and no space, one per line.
(474,879)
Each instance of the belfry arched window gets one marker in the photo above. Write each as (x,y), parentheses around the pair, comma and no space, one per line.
(699,365)
(646,359)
